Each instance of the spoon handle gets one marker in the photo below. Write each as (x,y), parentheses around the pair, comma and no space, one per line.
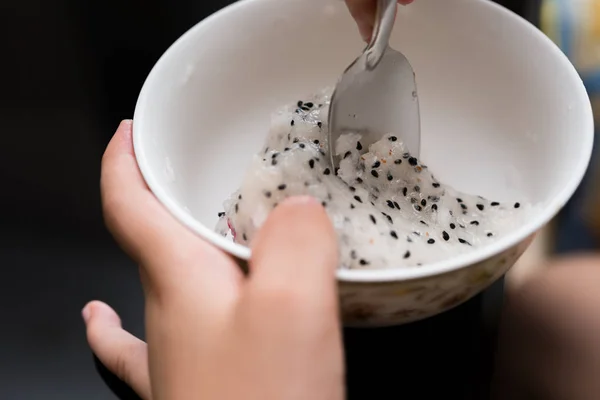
(384,23)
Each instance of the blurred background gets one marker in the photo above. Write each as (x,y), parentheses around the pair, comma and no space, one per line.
(70,71)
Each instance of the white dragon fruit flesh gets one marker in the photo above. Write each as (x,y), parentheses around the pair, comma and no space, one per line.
(387,207)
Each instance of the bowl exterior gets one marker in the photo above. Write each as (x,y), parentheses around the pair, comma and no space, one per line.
(378,304)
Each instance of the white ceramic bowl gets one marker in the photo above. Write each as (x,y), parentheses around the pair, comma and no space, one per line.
(503,111)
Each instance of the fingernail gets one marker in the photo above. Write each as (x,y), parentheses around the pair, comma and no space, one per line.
(86,313)
(300,201)
(366,30)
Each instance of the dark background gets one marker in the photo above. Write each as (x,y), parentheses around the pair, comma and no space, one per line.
(70,70)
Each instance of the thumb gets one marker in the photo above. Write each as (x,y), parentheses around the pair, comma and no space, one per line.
(296,253)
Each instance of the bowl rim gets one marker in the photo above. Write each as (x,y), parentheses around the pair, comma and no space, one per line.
(550,209)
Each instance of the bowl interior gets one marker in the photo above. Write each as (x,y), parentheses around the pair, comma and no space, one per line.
(504,114)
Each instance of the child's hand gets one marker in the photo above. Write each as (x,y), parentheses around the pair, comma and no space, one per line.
(363,12)
(213,333)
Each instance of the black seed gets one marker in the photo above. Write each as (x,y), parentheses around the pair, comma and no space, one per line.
(445,236)
(495,204)
(434,199)
(244,236)
(423,222)
(476,223)
(463,241)
(434,207)
(406,255)
(239,197)
(292,123)
(309,104)
(463,206)
(286,149)
(358,146)
(431,241)
(221,214)
(423,202)
(268,195)
(296,140)
(353,254)
(289,135)
(274,161)
(390,203)
(480,207)
(316,141)
(363,262)
(305,108)
(418,207)
(302,145)
(404,191)
(237,208)
(324,204)
(462,226)
(435,185)
(327,171)
(357,198)
(459,199)
(373,204)
(352,207)
(374,173)
(282,186)
(397,205)
(452,226)
(267,149)
(311,163)
(417,188)
(416,233)
(412,161)
(300,103)
(348,154)
(398,162)
(320,124)
(376,164)
(321,152)
(408,239)
(359,180)
(352,188)
(392,138)
(394,234)
(517,205)
(490,234)
(389,218)
(373,220)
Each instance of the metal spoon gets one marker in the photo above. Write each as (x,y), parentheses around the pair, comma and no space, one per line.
(377,94)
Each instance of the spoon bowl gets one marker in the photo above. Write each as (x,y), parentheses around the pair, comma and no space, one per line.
(377,94)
